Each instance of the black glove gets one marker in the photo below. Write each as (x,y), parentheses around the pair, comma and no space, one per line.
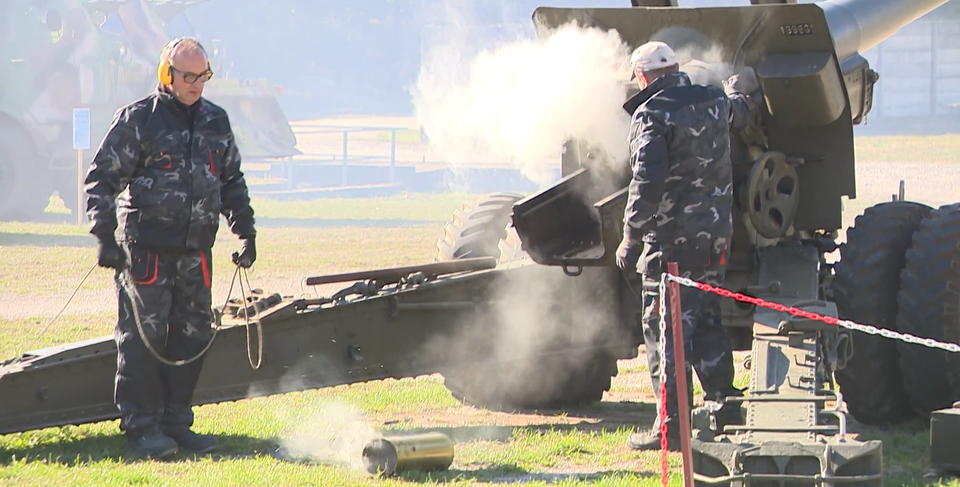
(627,256)
(247,254)
(109,254)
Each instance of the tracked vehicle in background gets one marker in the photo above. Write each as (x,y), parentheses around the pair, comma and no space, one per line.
(59,55)
(525,306)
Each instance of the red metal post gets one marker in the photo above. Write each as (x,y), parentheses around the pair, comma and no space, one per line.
(680,371)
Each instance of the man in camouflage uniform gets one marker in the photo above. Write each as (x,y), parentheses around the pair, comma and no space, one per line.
(167,169)
(679,209)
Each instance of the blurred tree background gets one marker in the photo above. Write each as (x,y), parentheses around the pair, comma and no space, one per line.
(351,56)
(362,56)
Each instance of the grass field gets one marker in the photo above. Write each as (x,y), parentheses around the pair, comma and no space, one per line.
(43,262)
(930,149)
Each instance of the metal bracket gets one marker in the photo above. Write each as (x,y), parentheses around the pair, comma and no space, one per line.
(572,271)
(900,195)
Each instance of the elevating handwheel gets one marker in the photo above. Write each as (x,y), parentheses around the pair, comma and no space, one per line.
(773,195)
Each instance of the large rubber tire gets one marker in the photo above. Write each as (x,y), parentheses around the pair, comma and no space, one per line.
(477,228)
(865,290)
(480,229)
(928,300)
(505,388)
(510,248)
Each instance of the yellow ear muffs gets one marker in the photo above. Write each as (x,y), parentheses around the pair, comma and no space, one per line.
(164,73)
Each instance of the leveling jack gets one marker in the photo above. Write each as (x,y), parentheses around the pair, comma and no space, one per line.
(944,447)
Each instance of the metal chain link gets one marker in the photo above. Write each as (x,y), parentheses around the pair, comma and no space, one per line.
(872,330)
(928,342)
(663,327)
(662,299)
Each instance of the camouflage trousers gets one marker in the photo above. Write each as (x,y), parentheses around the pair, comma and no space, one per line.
(172,293)
(707,346)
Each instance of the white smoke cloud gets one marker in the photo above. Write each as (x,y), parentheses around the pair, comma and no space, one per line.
(520,101)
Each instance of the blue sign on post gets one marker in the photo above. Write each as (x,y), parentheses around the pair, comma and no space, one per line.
(81,128)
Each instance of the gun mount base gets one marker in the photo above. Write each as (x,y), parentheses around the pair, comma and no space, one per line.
(788,463)
(944,448)
(790,435)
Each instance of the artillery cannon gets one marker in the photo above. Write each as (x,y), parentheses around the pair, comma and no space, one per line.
(557,246)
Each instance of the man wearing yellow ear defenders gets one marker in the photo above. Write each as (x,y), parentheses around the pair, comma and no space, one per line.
(164,173)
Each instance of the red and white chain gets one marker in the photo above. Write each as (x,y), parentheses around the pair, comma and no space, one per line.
(662,298)
(872,330)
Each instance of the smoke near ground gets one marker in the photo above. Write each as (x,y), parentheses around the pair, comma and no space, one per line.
(518,102)
(497,353)
(331,433)
(327,432)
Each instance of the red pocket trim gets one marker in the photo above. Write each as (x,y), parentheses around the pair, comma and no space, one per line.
(212,168)
(149,278)
(206,269)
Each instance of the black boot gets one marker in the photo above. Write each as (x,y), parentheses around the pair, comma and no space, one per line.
(177,422)
(190,441)
(150,443)
(651,441)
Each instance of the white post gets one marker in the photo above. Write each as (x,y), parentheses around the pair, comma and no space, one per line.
(81,142)
(80,188)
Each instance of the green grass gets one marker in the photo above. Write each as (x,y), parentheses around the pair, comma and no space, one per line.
(21,334)
(932,148)
(93,454)
(41,259)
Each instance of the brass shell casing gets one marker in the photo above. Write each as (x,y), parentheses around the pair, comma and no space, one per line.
(426,451)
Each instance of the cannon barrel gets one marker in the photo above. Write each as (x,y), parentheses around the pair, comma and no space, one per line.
(858,25)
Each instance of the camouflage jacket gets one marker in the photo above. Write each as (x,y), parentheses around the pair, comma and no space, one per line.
(682,186)
(167,172)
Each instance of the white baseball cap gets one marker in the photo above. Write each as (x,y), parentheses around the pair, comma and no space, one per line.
(650,56)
